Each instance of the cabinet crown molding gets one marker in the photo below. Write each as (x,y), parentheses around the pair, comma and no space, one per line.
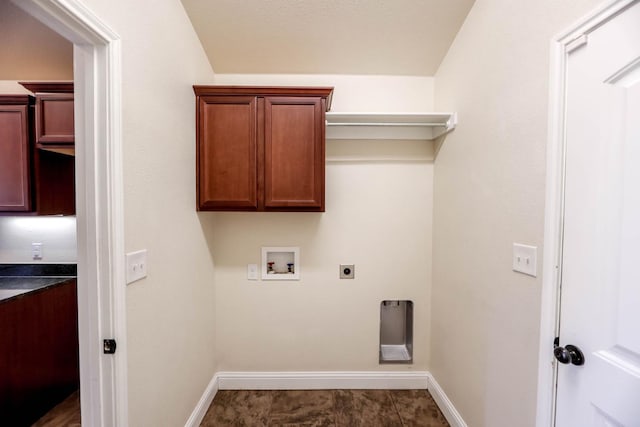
(49,87)
(323,92)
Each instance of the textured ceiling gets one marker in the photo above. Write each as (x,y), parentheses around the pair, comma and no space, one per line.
(388,37)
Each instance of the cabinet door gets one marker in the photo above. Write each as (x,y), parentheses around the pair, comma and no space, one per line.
(227,150)
(294,153)
(55,183)
(15,192)
(54,114)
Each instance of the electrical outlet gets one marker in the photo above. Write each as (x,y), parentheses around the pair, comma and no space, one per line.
(525,259)
(347,271)
(36,251)
(136,265)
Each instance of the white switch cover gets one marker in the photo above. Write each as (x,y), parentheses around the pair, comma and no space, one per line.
(252,271)
(36,251)
(136,265)
(525,259)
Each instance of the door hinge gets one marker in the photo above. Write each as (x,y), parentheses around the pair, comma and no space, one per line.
(109,346)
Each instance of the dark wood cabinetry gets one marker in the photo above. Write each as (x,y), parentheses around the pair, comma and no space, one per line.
(37,163)
(54,126)
(261,148)
(15,157)
(39,357)
(55,119)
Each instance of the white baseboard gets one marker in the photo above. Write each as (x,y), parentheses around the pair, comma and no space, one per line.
(325,381)
(448,410)
(321,380)
(203,404)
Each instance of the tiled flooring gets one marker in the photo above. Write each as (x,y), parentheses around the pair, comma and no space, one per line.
(337,408)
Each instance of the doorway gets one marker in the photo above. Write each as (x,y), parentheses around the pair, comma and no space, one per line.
(592,231)
(99,213)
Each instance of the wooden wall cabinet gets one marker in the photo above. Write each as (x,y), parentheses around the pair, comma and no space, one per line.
(54,126)
(16,155)
(54,149)
(260,148)
(55,119)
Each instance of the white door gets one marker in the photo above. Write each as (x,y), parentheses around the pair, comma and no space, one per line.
(600,293)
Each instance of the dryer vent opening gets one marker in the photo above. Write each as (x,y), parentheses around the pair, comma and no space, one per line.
(396,331)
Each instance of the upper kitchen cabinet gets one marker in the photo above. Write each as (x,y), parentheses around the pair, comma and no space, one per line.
(51,150)
(15,146)
(261,148)
(54,127)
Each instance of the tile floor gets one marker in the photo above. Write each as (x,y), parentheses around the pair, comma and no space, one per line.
(337,408)
(352,408)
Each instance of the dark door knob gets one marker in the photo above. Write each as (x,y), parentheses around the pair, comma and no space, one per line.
(569,354)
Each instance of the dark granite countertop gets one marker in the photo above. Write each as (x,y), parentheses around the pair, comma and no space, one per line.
(20,279)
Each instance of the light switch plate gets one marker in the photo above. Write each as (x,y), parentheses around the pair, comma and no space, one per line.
(136,265)
(525,259)
(252,271)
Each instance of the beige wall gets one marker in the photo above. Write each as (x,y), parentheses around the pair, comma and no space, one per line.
(489,192)
(29,50)
(353,93)
(170,313)
(378,217)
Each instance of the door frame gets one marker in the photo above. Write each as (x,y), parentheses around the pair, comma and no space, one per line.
(99,205)
(561,46)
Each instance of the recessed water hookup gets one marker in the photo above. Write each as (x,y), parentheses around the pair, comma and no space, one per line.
(280,263)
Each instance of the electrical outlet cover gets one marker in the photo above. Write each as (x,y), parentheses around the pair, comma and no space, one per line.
(347,271)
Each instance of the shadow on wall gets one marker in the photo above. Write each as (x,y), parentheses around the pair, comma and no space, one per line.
(257,229)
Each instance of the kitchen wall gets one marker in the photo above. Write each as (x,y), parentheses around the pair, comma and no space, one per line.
(170,314)
(489,192)
(378,217)
(30,50)
(56,233)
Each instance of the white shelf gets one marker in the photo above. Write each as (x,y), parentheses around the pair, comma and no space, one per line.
(399,126)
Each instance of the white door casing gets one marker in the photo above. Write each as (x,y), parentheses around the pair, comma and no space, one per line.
(593,224)
(99,211)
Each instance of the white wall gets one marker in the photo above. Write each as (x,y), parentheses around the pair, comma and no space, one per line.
(170,314)
(56,233)
(378,217)
(489,192)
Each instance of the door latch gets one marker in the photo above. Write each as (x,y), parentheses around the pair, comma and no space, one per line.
(109,346)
